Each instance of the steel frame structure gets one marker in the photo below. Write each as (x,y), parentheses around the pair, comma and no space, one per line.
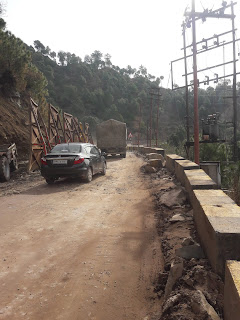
(39,139)
(87,133)
(42,140)
(56,132)
(192,17)
(68,127)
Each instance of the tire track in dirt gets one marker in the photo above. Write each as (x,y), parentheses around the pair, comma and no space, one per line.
(81,251)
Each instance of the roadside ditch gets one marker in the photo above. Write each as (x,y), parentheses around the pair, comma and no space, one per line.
(188,288)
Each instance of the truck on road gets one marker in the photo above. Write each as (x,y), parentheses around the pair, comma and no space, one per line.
(112,137)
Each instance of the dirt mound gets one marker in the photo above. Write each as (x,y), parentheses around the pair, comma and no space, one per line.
(14,125)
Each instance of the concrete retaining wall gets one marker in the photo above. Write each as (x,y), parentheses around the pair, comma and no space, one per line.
(181,166)
(197,179)
(217,221)
(232,291)
(170,161)
(216,216)
(145,150)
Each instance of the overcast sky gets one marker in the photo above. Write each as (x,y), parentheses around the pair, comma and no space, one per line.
(133,32)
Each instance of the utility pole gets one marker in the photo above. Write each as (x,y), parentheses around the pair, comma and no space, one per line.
(195,89)
(154,95)
(157,120)
(151,121)
(186,88)
(147,133)
(139,126)
(235,120)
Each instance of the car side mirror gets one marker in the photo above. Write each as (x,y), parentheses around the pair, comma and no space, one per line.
(103,154)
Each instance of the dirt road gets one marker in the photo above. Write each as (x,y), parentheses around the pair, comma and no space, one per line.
(81,251)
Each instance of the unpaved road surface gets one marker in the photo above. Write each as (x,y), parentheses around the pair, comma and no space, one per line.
(81,251)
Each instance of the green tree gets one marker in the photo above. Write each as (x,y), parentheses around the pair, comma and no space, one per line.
(39,46)
(62,56)
(14,62)
(107,59)
(36,83)
(53,55)
(97,59)
(2,22)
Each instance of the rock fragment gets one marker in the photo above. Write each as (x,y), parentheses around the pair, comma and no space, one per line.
(177,218)
(172,198)
(156,163)
(189,252)
(156,156)
(149,169)
(200,305)
(187,242)
(175,273)
(171,302)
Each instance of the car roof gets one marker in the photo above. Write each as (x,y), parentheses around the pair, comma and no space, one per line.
(77,143)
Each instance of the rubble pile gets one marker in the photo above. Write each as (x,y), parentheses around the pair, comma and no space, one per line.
(188,288)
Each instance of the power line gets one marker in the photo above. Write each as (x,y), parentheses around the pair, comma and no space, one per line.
(202,5)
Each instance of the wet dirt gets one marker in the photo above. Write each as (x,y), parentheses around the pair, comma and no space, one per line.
(74,250)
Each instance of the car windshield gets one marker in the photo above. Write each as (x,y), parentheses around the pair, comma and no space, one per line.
(66,148)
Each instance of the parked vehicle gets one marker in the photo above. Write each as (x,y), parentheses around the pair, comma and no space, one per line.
(112,137)
(8,161)
(73,160)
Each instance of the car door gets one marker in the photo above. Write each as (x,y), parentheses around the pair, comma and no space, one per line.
(96,159)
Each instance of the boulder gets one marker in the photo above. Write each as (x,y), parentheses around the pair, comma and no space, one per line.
(155,156)
(174,197)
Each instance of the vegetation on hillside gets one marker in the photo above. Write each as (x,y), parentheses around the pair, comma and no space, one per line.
(93,89)
(18,73)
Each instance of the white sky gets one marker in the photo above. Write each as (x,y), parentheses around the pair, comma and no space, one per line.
(133,32)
